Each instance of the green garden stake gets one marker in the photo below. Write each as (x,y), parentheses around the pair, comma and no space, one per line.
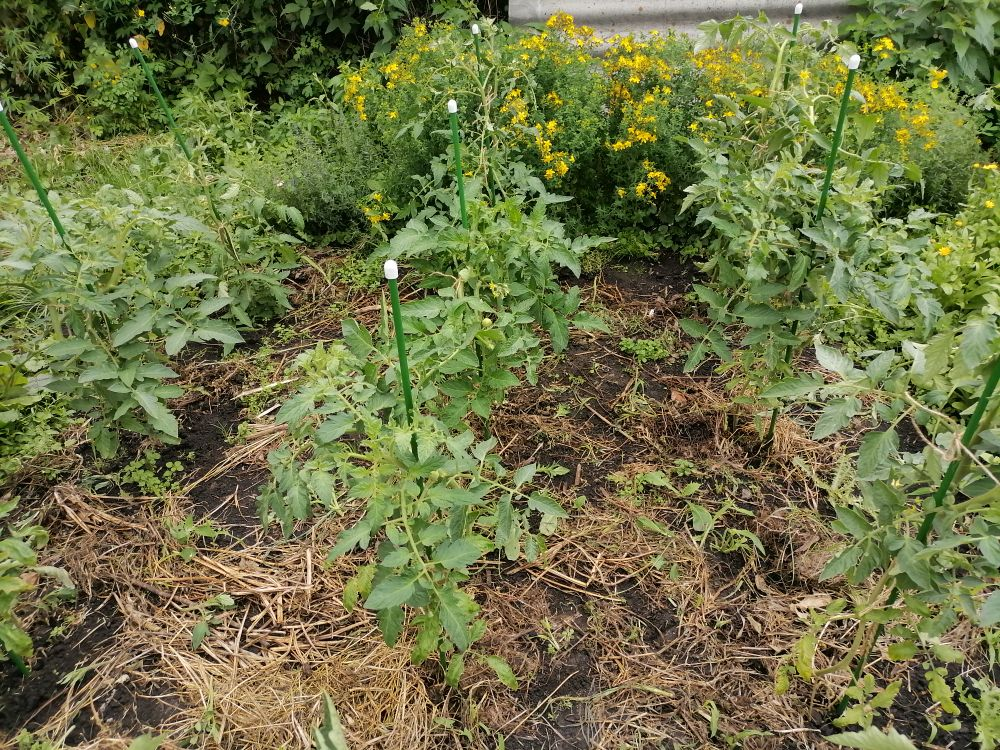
(18,662)
(479,52)
(179,137)
(796,19)
(43,195)
(971,430)
(838,136)
(391,271)
(456,143)
(137,53)
(968,435)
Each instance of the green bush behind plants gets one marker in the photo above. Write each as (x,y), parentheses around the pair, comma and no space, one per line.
(610,121)
(957,36)
(52,53)
(319,160)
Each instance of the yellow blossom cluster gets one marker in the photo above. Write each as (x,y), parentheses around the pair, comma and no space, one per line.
(883,47)
(936,76)
(515,107)
(556,162)
(730,70)
(376,211)
(353,96)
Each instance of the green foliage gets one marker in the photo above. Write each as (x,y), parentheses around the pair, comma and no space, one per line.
(329,735)
(188,533)
(770,260)
(19,542)
(279,49)
(320,161)
(149,478)
(959,36)
(435,496)
(97,316)
(210,617)
(645,350)
(872,739)
(986,709)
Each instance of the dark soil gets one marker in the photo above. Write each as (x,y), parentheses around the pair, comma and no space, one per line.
(230,498)
(26,702)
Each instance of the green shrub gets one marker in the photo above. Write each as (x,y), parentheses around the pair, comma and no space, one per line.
(276,49)
(321,161)
(959,36)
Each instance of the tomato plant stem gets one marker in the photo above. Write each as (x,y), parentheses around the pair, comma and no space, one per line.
(479,53)
(831,162)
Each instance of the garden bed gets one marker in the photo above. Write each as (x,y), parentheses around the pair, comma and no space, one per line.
(627,633)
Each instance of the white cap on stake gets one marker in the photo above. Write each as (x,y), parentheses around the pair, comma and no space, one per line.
(133,43)
(475,29)
(798,9)
(390,269)
(1,106)
(452,106)
(854,63)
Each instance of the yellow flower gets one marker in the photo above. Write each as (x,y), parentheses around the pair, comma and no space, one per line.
(804,76)
(641,189)
(885,43)
(959,223)
(989,204)
(903,136)
(693,126)
(140,12)
(550,174)
(944,250)
(223,22)
(621,192)
(937,76)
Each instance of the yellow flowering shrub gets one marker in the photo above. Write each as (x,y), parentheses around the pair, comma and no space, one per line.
(608,120)
(963,255)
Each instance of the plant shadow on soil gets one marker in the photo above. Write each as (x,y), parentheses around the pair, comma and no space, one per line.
(620,642)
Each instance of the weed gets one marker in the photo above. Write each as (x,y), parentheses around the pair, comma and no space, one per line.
(151,480)
(555,640)
(188,533)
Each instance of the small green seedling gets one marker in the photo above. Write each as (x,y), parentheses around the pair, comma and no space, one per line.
(218,603)
(188,533)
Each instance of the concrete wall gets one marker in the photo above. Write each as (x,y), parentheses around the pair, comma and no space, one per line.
(627,16)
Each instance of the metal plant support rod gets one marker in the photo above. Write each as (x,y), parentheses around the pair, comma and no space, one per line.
(796,19)
(456,142)
(43,194)
(137,53)
(831,162)
(18,662)
(838,135)
(391,271)
(476,34)
(968,435)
